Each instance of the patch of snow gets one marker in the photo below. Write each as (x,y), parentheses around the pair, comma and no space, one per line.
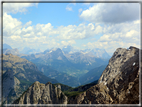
(59,58)
(50,51)
(90,63)
(105,83)
(54,49)
(84,52)
(107,88)
(128,91)
(70,52)
(134,63)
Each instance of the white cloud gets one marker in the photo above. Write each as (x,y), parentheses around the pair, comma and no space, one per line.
(81,31)
(64,42)
(10,25)
(15,37)
(132,33)
(28,24)
(112,12)
(69,8)
(45,35)
(111,46)
(17,7)
(70,42)
(118,35)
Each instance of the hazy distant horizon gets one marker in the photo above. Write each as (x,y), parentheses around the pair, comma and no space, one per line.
(82,25)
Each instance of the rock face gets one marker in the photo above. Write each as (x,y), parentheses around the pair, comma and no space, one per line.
(119,82)
(39,93)
(18,75)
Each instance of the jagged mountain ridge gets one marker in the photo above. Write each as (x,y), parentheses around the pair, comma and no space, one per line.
(96,52)
(28,50)
(39,93)
(18,75)
(6,46)
(121,88)
(73,64)
(61,64)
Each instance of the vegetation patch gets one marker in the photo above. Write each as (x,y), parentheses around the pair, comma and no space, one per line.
(72,93)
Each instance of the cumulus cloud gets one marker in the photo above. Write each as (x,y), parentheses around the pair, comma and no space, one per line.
(70,42)
(112,13)
(113,36)
(81,31)
(11,25)
(118,35)
(17,7)
(28,24)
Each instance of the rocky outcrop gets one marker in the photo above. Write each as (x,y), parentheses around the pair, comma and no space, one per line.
(18,74)
(119,82)
(39,93)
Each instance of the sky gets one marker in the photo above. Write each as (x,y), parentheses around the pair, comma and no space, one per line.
(82,25)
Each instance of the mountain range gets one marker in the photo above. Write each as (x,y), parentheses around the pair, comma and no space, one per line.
(74,64)
(72,74)
(6,46)
(69,63)
(118,84)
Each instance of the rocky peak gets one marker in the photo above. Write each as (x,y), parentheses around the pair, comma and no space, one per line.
(121,60)
(39,93)
(119,82)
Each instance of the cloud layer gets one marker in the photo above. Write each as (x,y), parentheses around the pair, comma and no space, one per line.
(112,13)
(17,7)
(102,18)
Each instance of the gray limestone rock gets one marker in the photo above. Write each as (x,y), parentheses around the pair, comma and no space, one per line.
(119,82)
(39,93)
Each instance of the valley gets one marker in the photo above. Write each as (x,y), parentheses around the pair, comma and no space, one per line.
(66,65)
(69,77)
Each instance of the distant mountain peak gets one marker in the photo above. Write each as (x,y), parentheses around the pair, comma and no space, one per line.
(67,49)
(58,50)
(98,53)
(6,46)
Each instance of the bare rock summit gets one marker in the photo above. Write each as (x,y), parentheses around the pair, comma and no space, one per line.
(119,82)
(39,93)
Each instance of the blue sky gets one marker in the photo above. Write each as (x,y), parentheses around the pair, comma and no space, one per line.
(47,25)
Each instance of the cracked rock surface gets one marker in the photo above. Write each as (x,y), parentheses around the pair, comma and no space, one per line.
(119,82)
(39,93)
